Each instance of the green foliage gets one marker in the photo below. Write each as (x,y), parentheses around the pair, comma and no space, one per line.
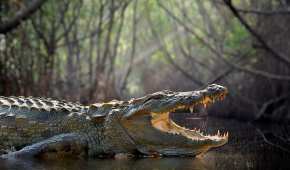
(236,37)
(158,58)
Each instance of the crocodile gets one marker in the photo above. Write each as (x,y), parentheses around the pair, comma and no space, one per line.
(35,127)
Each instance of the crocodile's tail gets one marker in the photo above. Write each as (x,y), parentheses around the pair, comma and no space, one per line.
(25,120)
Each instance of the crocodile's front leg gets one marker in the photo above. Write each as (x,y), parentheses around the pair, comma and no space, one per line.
(64,145)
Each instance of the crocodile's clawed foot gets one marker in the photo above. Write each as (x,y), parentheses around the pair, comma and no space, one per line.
(60,146)
(120,156)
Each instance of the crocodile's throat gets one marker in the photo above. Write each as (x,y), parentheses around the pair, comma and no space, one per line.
(164,123)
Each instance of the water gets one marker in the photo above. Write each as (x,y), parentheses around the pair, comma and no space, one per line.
(250,146)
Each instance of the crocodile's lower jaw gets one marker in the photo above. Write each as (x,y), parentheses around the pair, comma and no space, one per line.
(164,123)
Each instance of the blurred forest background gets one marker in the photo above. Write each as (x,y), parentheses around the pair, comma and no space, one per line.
(98,50)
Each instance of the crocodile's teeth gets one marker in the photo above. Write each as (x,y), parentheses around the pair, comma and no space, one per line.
(218,133)
(225,135)
(191,109)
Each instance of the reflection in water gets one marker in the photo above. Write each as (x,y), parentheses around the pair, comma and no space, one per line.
(246,149)
(140,164)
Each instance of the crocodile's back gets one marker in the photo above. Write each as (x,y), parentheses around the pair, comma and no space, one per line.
(27,120)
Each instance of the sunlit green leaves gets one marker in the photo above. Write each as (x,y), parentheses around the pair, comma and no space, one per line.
(236,37)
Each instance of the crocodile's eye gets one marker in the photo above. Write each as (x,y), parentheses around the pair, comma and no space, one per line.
(214,88)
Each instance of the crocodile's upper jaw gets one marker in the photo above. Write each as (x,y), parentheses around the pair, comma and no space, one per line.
(154,132)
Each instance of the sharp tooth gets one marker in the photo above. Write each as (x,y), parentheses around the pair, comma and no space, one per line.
(218,133)
(191,109)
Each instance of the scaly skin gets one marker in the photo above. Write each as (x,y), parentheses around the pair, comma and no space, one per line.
(39,127)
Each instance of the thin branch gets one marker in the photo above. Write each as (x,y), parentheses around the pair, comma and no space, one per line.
(169,57)
(68,27)
(267,13)
(266,46)
(190,57)
(108,38)
(268,103)
(227,71)
(103,20)
(119,32)
(134,39)
(271,143)
(20,16)
(39,33)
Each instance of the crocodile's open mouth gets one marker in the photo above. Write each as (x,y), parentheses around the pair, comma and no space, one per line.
(164,123)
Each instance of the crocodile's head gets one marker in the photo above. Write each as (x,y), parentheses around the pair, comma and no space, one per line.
(149,125)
